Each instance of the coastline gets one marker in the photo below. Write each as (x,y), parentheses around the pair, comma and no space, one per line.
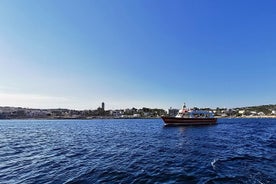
(247,117)
(112,118)
(6,112)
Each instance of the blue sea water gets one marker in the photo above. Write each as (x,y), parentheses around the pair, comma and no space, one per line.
(137,151)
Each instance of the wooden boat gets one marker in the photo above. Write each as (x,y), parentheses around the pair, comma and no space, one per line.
(175,121)
(193,117)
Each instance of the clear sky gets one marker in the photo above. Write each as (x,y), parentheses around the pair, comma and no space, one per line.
(139,53)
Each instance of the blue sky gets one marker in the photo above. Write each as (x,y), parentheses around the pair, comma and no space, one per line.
(76,54)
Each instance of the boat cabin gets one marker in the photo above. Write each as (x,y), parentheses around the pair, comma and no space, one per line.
(191,113)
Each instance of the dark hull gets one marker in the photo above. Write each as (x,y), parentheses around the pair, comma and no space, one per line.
(188,121)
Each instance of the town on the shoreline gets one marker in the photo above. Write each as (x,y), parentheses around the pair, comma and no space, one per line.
(102,113)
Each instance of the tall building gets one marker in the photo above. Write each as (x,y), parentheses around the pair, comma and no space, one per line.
(103,106)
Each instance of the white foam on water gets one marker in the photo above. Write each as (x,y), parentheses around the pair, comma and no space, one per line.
(214,162)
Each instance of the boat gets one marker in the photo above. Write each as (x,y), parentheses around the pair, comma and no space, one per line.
(190,117)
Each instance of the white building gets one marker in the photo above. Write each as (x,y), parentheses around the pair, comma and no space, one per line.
(261,114)
(116,113)
(241,111)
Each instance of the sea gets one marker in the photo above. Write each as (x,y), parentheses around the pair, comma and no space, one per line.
(137,151)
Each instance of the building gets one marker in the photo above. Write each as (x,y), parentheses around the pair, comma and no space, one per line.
(103,106)
(241,112)
(173,112)
(116,113)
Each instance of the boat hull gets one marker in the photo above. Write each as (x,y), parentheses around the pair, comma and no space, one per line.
(172,121)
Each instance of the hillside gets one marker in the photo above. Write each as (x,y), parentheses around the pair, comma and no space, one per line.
(266,109)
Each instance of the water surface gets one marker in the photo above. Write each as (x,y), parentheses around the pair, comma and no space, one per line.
(137,151)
